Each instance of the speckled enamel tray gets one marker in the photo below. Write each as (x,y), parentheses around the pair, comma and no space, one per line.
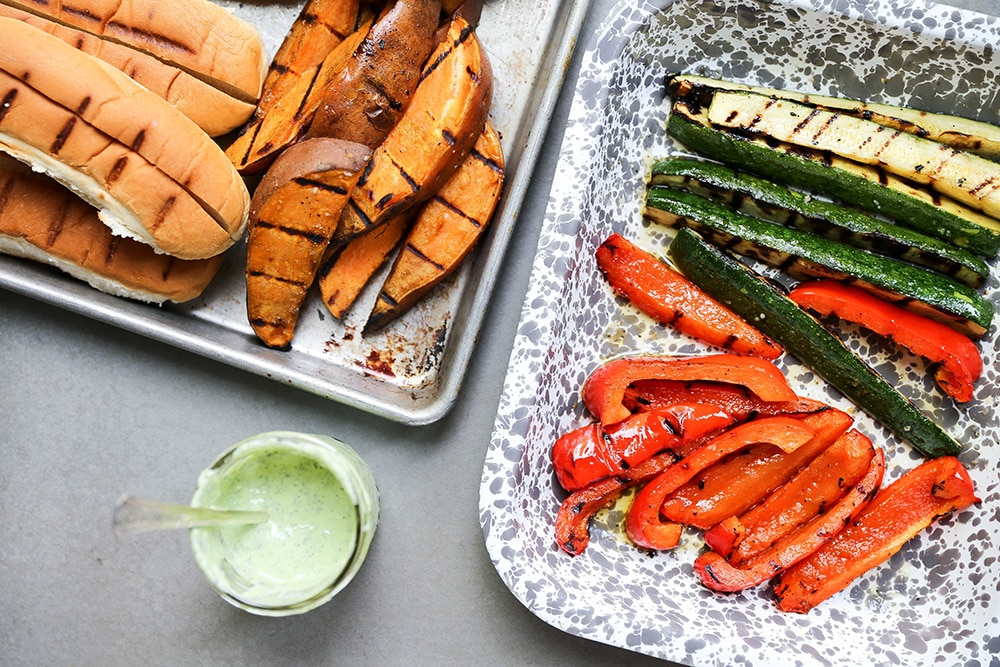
(412,370)
(938,600)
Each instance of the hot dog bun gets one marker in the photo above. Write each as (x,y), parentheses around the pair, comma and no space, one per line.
(194,35)
(42,221)
(151,172)
(213,110)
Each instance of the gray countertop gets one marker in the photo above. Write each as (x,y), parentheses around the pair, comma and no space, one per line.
(89,412)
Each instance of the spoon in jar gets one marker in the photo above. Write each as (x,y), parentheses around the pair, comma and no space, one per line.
(139,515)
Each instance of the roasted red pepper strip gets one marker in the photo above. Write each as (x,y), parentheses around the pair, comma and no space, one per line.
(812,491)
(643,523)
(718,574)
(896,514)
(587,454)
(604,390)
(734,399)
(673,300)
(959,358)
(736,484)
(576,511)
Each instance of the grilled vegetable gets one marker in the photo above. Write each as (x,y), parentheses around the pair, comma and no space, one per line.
(764,199)
(959,358)
(896,515)
(803,336)
(293,214)
(445,231)
(863,186)
(966,177)
(733,486)
(804,255)
(731,398)
(604,389)
(963,133)
(673,300)
(441,124)
(643,523)
(720,575)
(347,271)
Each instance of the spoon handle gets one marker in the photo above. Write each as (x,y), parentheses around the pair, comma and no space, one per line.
(139,515)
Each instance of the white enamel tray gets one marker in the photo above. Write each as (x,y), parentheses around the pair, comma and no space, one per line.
(938,600)
(412,370)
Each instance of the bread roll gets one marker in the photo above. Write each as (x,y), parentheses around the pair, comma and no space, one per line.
(197,36)
(213,110)
(151,172)
(42,221)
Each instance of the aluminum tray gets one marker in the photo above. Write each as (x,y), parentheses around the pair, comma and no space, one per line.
(410,372)
(934,602)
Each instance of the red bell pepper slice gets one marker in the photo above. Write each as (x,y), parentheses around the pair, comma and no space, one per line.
(604,389)
(643,523)
(734,399)
(587,454)
(720,575)
(671,299)
(812,491)
(896,514)
(960,361)
(577,510)
(734,485)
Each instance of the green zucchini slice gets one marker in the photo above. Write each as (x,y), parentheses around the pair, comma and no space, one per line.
(805,255)
(764,199)
(965,177)
(962,133)
(862,186)
(732,283)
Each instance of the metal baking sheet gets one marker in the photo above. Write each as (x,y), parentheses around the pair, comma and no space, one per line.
(411,371)
(935,601)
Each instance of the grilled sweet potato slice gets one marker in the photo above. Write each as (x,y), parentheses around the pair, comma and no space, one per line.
(367,98)
(293,214)
(345,274)
(445,231)
(445,117)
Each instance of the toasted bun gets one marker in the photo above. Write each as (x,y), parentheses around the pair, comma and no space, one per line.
(42,221)
(213,110)
(197,36)
(151,172)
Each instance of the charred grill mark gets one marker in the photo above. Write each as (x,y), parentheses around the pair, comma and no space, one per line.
(162,214)
(467,32)
(802,123)
(458,211)
(137,143)
(84,104)
(56,228)
(382,296)
(109,256)
(168,268)
(279,279)
(311,237)
(5,194)
(300,111)
(63,135)
(984,188)
(327,187)
(361,216)
(116,170)
(826,126)
(892,137)
(148,36)
(412,249)
(7,102)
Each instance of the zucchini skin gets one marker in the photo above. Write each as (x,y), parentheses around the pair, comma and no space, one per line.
(797,169)
(780,204)
(802,254)
(803,336)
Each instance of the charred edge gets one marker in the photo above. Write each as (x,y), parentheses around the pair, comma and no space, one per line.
(279,68)
(56,228)
(63,135)
(382,296)
(327,187)
(315,239)
(415,251)
(148,36)
(116,170)
(161,215)
(448,137)
(7,102)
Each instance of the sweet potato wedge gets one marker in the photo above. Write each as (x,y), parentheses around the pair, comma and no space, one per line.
(293,214)
(342,278)
(370,94)
(445,231)
(445,117)
(288,117)
(319,28)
